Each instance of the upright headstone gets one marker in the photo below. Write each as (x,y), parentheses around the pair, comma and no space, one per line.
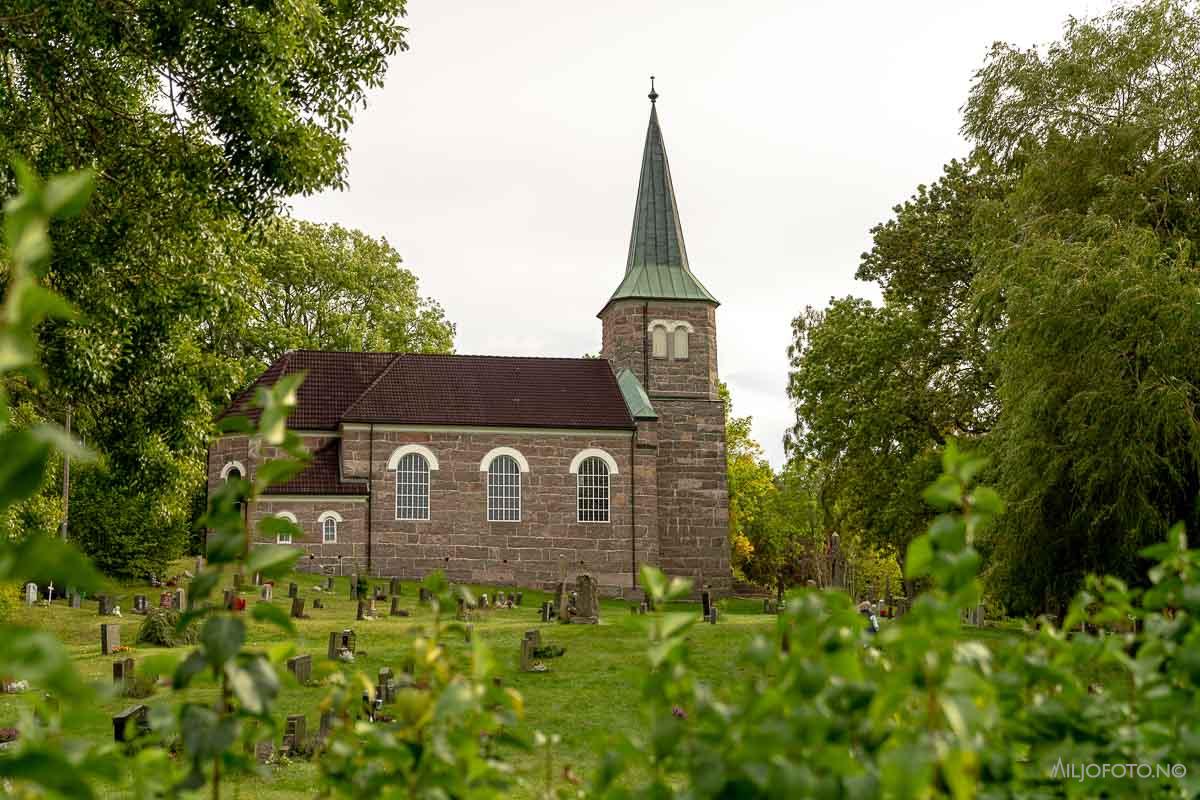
(587,605)
(387,684)
(362,611)
(354,585)
(380,592)
(535,635)
(518,601)
(547,611)
(301,667)
(104,605)
(318,603)
(329,583)
(712,616)
(461,613)
(396,609)
(561,601)
(122,670)
(295,734)
(394,587)
(110,638)
(179,601)
(31,593)
(293,590)
(706,602)
(266,592)
(140,605)
(228,598)
(75,600)
(326,726)
(297,608)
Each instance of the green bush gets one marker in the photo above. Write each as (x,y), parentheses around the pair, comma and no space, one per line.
(161,627)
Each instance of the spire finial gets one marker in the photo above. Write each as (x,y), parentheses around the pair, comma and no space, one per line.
(653,94)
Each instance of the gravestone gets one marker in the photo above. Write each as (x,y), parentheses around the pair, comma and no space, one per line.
(266,592)
(423,595)
(643,607)
(179,600)
(706,602)
(31,593)
(768,606)
(264,751)
(292,590)
(329,583)
(387,684)
(297,608)
(75,600)
(561,601)
(341,640)
(139,604)
(380,592)
(354,585)
(228,599)
(131,723)
(122,670)
(362,612)
(712,616)
(164,600)
(317,603)
(547,611)
(394,587)
(518,600)
(326,725)
(461,613)
(110,637)
(301,667)
(104,605)
(535,635)
(587,605)
(396,610)
(295,734)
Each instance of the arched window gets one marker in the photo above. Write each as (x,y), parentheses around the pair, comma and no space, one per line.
(504,489)
(592,490)
(234,471)
(328,522)
(412,486)
(681,343)
(658,338)
(285,537)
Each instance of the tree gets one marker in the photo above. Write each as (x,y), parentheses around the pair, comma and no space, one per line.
(751,484)
(326,287)
(199,119)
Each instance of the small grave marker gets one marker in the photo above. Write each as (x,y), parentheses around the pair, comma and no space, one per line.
(75,600)
(706,602)
(396,610)
(292,590)
(122,670)
(301,667)
(297,608)
(31,593)
(317,603)
(295,734)
(131,723)
(266,592)
(140,605)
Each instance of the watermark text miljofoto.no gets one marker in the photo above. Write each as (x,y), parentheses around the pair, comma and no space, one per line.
(1080,771)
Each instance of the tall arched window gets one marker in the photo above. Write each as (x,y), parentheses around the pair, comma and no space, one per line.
(412,487)
(234,471)
(592,490)
(328,523)
(504,489)
(681,343)
(658,339)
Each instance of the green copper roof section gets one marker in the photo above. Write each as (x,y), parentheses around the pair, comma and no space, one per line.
(657,267)
(635,396)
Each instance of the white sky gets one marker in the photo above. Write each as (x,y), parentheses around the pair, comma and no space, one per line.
(501,156)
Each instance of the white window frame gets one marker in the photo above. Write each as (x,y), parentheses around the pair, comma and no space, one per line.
(230,467)
(585,482)
(409,474)
(290,517)
(494,514)
(322,521)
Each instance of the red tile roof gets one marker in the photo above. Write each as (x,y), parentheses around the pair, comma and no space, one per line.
(321,476)
(422,389)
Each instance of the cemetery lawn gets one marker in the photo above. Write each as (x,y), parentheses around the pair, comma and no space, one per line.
(589,692)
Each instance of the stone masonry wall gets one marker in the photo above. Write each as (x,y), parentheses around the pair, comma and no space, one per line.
(348,555)
(625,338)
(545,544)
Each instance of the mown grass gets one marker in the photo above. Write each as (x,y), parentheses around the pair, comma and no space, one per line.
(589,693)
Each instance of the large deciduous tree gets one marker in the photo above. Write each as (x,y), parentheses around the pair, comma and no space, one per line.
(199,118)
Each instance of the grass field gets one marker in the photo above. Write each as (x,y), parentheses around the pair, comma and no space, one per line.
(588,693)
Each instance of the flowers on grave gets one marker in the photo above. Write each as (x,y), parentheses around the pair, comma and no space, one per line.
(14,687)
(121,648)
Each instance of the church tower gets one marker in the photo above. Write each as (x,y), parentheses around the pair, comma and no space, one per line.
(660,333)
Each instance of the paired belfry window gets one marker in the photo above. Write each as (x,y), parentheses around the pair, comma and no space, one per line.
(669,339)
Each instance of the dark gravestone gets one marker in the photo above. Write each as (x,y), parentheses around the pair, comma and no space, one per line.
(587,603)
(518,600)
(122,670)
(301,667)
(526,655)
(104,605)
(396,610)
(706,602)
(110,638)
(394,587)
(329,583)
(422,595)
(139,604)
(295,734)
(297,608)
(292,590)
(380,592)
(362,611)
(131,723)
(341,640)
(712,616)
(317,603)
(461,612)
(547,611)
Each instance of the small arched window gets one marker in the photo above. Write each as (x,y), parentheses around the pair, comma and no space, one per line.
(234,471)
(658,338)
(412,487)
(504,489)
(285,537)
(681,343)
(328,523)
(592,488)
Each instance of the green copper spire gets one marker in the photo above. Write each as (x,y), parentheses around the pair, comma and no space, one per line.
(657,267)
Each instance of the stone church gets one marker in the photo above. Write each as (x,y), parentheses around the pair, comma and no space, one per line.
(516,470)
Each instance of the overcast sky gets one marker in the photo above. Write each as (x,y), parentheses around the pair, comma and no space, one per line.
(501,156)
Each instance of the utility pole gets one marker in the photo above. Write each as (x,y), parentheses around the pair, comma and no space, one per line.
(66,479)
